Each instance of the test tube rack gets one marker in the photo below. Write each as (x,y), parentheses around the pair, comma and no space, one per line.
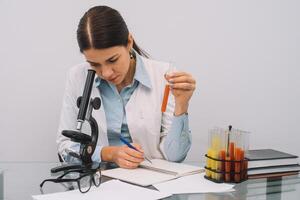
(236,174)
(225,158)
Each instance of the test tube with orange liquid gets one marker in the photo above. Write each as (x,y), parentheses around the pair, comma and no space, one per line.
(167,90)
(242,147)
(229,155)
(238,155)
(238,146)
(165,98)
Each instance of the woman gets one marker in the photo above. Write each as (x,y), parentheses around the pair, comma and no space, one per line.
(131,88)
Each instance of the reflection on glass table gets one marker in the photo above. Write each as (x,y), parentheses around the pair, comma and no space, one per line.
(22,180)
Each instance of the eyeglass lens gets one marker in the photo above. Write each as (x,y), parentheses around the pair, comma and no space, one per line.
(84,183)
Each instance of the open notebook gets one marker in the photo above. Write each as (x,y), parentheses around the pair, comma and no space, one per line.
(149,174)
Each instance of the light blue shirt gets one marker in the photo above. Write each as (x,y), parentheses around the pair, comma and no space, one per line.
(114,103)
(178,140)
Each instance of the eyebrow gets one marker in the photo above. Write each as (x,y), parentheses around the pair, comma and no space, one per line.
(93,63)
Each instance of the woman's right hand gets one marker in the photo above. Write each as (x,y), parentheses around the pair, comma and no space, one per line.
(128,158)
(123,156)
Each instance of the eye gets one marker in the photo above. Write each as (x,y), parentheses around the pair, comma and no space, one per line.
(113,60)
(95,66)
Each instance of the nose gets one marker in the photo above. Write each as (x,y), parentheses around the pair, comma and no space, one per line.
(106,72)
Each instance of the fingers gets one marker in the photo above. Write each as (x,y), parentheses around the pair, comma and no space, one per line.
(183,86)
(133,155)
(128,161)
(180,77)
(130,158)
(124,163)
(138,147)
(127,164)
(176,74)
(181,81)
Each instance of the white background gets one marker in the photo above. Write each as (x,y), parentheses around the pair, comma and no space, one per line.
(243,54)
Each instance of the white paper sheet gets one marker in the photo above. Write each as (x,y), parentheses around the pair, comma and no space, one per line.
(193,184)
(149,174)
(113,189)
(138,176)
(177,169)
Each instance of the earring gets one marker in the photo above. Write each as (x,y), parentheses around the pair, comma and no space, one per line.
(131,54)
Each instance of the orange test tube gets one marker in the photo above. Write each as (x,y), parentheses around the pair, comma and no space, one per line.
(165,99)
(231,155)
(222,155)
(227,169)
(231,150)
(242,164)
(237,165)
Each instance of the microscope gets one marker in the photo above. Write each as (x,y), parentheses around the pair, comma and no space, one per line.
(87,171)
(87,142)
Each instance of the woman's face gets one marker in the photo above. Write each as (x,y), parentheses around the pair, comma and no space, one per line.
(111,64)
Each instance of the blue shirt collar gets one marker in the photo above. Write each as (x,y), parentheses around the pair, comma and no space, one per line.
(141,75)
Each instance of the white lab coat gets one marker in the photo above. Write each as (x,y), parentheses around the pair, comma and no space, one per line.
(147,125)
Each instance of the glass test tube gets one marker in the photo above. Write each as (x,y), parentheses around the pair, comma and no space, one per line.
(238,155)
(167,89)
(241,144)
(208,173)
(222,153)
(229,155)
(215,144)
(165,98)
(216,147)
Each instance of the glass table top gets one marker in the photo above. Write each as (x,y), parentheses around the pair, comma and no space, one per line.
(22,180)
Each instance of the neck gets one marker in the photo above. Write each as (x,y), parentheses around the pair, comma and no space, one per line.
(129,76)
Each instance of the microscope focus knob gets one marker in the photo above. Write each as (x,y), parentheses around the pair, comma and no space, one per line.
(78,101)
(96,103)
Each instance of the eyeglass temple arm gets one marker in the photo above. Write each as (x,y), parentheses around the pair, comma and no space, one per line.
(80,170)
(57,181)
(66,167)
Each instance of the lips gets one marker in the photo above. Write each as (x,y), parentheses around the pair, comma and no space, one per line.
(113,79)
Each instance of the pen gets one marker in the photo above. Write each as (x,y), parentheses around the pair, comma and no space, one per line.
(132,147)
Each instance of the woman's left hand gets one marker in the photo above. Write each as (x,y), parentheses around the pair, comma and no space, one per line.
(182,86)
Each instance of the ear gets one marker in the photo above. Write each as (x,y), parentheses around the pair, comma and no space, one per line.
(130,42)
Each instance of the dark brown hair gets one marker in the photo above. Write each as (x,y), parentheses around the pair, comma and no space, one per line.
(103,27)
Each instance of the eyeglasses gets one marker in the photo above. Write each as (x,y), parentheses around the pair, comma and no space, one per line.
(84,178)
